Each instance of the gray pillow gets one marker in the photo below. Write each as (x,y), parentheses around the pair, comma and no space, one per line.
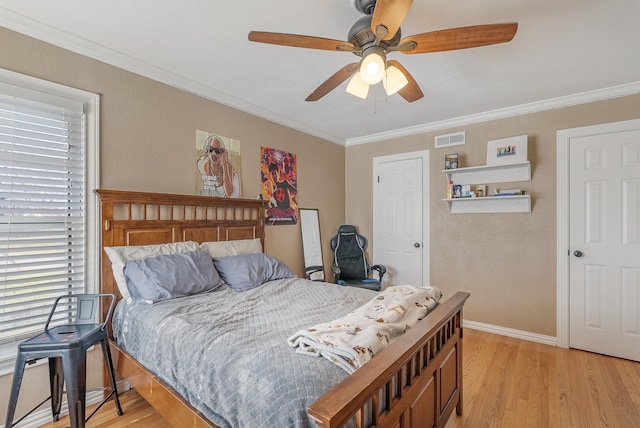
(246,271)
(172,275)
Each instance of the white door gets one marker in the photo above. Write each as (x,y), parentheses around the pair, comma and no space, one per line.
(604,243)
(400,220)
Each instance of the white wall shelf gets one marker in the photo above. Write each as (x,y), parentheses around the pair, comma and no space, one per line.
(490,204)
(489,174)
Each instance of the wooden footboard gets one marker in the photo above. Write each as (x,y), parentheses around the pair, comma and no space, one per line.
(415,382)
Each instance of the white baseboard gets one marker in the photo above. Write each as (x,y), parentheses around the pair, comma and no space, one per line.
(44,416)
(518,334)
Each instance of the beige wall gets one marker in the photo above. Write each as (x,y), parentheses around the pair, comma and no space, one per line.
(147,137)
(147,143)
(506,261)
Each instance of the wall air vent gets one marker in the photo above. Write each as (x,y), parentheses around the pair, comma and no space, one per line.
(454,139)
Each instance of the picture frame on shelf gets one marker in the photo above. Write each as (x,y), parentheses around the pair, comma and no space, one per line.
(480,190)
(451,161)
(507,150)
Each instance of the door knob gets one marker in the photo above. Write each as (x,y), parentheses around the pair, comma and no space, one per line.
(577,253)
(417,245)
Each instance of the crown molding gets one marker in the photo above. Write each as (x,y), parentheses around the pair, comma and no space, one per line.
(519,110)
(48,34)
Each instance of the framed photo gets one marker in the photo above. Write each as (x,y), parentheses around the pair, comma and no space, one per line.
(451,161)
(507,150)
(480,190)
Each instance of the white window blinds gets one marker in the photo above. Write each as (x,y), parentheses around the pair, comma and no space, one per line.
(42,212)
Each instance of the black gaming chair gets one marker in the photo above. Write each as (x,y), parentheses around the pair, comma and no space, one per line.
(350,264)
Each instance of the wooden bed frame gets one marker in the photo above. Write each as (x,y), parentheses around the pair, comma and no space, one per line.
(415,382)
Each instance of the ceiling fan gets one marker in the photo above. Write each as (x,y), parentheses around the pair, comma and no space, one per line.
(375,35)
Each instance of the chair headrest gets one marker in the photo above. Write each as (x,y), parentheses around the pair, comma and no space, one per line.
(347,228)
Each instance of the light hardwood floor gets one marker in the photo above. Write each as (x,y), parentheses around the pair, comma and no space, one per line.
(517,383)
(508,383)
(137,413)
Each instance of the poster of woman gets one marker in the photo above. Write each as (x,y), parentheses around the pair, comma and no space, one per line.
(217,165)
(279,186)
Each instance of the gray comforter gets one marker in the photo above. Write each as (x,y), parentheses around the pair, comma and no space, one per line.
(227,354)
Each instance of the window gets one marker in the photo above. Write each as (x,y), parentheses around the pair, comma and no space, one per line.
(48,170)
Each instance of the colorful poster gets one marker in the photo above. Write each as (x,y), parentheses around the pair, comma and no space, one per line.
(217,165)
(279,186)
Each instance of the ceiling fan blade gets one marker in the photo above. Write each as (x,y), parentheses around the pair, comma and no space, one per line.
(458,38)
(388,14)
(301,41)
(332,82)
(411,92)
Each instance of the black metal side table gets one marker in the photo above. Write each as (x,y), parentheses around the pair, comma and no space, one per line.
(66,348)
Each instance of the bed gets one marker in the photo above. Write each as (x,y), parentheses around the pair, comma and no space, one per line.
(415,382)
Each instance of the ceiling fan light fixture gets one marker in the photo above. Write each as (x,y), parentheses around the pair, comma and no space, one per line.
(372,68)
(394,80)
(358,87)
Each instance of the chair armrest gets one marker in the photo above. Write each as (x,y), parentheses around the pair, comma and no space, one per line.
(381,269)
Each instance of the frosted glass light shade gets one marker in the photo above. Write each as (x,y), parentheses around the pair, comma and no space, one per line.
(394,80)
(372,68)
(358,87)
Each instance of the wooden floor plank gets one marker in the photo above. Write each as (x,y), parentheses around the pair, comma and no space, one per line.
(137,413)
(508,383)
(515,383)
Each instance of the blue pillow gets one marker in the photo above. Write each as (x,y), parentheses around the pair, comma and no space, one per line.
(246,271)
(173,275)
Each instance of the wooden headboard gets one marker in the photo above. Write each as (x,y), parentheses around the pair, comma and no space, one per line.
(139,218)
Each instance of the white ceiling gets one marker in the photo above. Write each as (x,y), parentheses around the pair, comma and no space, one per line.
(565,51)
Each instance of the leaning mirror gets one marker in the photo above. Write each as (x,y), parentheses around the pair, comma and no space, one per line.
(311,244)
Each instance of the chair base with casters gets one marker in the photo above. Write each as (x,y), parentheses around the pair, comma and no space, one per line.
(350,265)
(66,348)
(371,284)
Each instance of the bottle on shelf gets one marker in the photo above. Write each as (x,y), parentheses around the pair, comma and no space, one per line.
(450,190)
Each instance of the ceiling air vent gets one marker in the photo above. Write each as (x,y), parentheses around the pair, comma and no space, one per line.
(449,140)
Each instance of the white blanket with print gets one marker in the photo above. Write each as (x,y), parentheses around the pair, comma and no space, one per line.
(354,339)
